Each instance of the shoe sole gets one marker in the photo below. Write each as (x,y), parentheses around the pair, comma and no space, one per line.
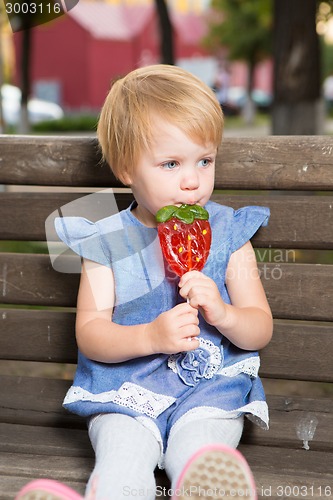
(216,472)
(46,489)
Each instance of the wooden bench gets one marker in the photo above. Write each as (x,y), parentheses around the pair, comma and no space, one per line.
(291,175)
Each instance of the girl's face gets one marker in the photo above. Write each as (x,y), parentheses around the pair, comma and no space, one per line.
(174,171)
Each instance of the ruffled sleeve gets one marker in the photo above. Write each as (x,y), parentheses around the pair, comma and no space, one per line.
(83,237)
(245,223)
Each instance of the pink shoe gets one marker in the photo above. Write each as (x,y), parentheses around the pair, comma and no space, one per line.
(216,471)
(47,489)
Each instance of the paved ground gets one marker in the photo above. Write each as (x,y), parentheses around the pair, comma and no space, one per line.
(262,130)
(247,131)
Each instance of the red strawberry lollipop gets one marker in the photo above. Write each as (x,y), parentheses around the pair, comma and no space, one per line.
(185,237)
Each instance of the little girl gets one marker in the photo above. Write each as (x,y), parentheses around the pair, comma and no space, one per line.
(167,367)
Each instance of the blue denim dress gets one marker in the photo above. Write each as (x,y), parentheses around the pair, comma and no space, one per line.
(217,380)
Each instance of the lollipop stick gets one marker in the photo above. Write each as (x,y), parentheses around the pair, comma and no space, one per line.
(189,260)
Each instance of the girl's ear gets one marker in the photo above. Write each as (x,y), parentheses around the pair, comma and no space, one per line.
(126,179)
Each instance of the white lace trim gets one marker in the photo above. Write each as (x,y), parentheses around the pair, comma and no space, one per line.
(76,393)
(129,395)
(215,359)
(257,411)
(250,366)
(172,362)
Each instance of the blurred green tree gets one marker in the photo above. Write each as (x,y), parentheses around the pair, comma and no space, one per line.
(245,29)
(286,30)
(324,13)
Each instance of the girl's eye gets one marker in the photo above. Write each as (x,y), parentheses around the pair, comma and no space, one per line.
(205,162)
(170,165)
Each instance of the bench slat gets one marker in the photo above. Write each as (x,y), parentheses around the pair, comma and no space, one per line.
(243,163)
(24,214)
(299,350)
(73,471)
(295,291)
(40,440)
(52,333)
(36,401)
(286,415)
(30,279)
(299,291)
(275,470)
(53,161)
(309,219)
(42,399)
(285,162)
(284,420)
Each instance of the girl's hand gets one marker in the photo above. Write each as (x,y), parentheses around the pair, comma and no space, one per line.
(175,330)
(203,294)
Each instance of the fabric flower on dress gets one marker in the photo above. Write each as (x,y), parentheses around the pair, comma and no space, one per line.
(203,362)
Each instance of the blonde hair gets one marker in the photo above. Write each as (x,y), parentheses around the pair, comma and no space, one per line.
(125,130)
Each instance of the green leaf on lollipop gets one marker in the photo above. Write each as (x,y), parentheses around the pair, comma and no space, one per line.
(184,213)
(165,213)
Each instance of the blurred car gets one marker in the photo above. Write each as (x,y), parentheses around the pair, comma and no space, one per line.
(38,110)
(237,97)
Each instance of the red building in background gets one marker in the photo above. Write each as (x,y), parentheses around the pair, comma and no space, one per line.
(75,57)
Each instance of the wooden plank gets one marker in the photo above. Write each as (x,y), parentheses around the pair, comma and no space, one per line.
(296,221)
(299,350)
(295,291)
(299,291)
(37,402)
(31,279)
(286,415)
(290,415)
(24,214)
(53,161)
(55,467)
(278,472)
(52,333)
(38,440)
(271,162)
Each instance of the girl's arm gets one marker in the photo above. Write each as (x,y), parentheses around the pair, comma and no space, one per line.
(100,339)
(247,323)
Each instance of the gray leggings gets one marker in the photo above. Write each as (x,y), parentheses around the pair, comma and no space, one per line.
(127,453)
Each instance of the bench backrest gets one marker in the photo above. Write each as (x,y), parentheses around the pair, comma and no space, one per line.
(291,175)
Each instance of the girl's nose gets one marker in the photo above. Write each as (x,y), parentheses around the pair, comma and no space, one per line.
(190,180)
